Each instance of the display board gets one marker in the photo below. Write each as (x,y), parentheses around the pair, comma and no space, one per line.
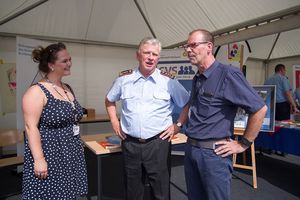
(176,62)
(268,93)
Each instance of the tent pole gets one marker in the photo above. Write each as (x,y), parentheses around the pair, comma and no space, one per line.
(78,41)
(145,19)
(273,46)
(17,14)
(266,69)
(269,56)
(286,23)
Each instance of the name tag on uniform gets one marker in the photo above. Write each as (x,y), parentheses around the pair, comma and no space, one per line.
(76,130)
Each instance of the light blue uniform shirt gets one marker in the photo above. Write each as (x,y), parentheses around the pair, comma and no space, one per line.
(147,103)
(282,85)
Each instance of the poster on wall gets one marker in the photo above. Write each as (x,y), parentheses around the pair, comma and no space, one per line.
(235,54)
(8,87)
(176,62)
(296,76)
(235,51)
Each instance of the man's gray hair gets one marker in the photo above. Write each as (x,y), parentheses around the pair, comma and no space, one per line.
(150,40)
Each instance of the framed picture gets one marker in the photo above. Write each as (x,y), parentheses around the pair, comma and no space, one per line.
(268,93)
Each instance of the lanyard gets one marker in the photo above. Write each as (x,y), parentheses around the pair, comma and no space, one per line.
(67,98)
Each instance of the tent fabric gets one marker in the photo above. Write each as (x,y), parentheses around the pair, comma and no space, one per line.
(125,22)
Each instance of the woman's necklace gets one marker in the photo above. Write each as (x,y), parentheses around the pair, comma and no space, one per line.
(67,98)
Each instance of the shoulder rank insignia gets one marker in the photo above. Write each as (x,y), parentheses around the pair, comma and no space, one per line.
(125,72)
(167,74)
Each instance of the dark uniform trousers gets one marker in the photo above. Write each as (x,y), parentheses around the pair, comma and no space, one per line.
(208,175)
(149,159)
(283,111)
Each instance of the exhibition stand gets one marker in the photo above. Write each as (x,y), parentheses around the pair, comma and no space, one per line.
(285,138)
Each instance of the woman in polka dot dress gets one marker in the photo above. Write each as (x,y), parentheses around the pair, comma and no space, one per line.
(54,165)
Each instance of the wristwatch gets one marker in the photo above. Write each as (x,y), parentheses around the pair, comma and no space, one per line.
(179,124)
(245,142)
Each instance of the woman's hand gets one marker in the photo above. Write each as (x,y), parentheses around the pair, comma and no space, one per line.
(41,168)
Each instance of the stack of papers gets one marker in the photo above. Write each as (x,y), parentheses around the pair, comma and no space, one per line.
(111,142)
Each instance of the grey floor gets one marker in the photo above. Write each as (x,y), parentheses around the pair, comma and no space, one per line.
(278,178)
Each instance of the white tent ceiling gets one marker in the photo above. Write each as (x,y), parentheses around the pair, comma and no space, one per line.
(270,26)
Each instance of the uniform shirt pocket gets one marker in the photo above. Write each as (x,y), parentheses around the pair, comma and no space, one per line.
(162,95)
(128,98)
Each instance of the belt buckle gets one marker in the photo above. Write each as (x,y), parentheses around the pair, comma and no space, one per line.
(214,146)
(142,140)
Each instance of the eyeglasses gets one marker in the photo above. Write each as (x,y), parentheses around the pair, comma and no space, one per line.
(193,45)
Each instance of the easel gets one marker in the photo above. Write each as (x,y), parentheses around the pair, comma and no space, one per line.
(239,132)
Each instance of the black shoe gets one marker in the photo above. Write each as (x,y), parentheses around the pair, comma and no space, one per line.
(269,151)
(279,153)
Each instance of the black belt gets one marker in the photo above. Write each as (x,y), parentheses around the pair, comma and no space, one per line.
(140,140)
(207,144)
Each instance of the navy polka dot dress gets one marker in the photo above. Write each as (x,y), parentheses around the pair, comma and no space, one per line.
(67,175)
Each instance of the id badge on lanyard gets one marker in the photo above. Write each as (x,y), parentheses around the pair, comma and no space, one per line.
(76,128)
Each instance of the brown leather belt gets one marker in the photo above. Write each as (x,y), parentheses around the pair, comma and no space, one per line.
(207,144)
(140,140)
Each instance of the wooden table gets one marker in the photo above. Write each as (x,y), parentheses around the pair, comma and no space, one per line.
(95,151)
(96,119)
(10,137)
(91,141)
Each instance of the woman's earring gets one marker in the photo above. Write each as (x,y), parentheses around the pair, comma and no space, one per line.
(52,69)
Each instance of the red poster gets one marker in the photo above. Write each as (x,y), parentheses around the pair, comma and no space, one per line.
(297,78)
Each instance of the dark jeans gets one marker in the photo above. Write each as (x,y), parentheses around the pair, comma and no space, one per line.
(151,159)
(207,175)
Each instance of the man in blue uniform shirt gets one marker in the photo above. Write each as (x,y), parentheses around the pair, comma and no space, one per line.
(284,95)
(218,91)
(148,97)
